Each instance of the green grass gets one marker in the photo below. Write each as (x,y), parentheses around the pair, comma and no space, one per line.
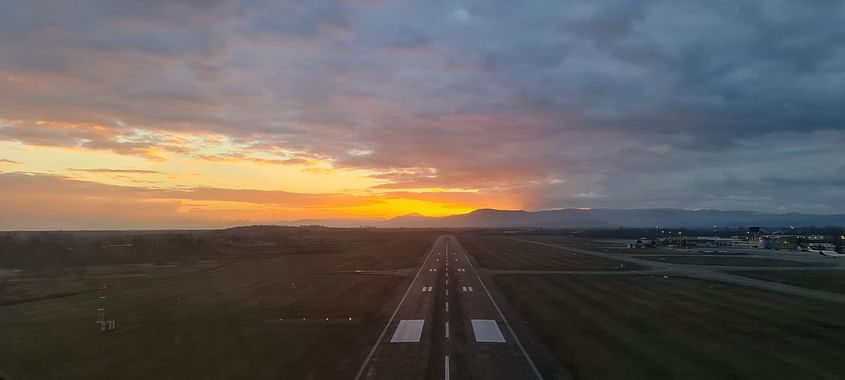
(503,253)
(213,320)
(726,261)
(831,281)
(642,327)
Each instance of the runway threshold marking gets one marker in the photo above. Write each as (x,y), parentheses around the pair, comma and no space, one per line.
(393,316)
(505,320)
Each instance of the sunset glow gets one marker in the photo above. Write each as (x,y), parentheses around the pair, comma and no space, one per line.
(214,113)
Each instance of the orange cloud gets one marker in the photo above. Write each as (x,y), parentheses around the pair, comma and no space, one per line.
(41,201)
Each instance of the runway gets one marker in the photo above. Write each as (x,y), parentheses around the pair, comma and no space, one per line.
(447,326)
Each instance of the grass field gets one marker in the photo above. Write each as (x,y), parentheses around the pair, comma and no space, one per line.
(726,261)
(502,253)
(643,327)
(211,320)
(618,246)
(831,281)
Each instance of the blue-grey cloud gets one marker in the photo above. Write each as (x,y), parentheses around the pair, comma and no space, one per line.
(570,103)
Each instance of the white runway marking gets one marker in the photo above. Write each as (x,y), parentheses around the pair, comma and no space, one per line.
(408,331)
(393,316)
(464,288)
(447,329)
(447,306)
(487,330)
(446,368)
(505,320)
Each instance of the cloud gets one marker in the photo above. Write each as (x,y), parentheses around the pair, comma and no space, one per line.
(116,171)
(634,103)
(90,137)
(47,201)
(8,162)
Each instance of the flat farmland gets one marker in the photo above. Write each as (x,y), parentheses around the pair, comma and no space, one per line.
(213,320)
(725,260)
(495,252)
(644,327)
(831,281)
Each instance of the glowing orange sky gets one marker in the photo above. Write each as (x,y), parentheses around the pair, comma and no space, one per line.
(213,183)
(134,114)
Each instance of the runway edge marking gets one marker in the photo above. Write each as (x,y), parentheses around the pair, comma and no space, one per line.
(510,329)
(395,311)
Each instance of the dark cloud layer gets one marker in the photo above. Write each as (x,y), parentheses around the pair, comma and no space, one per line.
(719,104)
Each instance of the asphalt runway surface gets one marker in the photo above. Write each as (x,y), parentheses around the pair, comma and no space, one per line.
(448,326)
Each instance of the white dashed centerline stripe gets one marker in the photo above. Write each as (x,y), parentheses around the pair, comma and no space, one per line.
(446,368)
(447,329)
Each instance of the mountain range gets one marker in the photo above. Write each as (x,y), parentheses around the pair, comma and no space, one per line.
(592,218)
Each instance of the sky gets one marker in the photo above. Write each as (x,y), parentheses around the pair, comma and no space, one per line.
(211,113)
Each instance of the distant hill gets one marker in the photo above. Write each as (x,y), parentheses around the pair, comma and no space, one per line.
(597,218)
(342,223)
(501,218)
